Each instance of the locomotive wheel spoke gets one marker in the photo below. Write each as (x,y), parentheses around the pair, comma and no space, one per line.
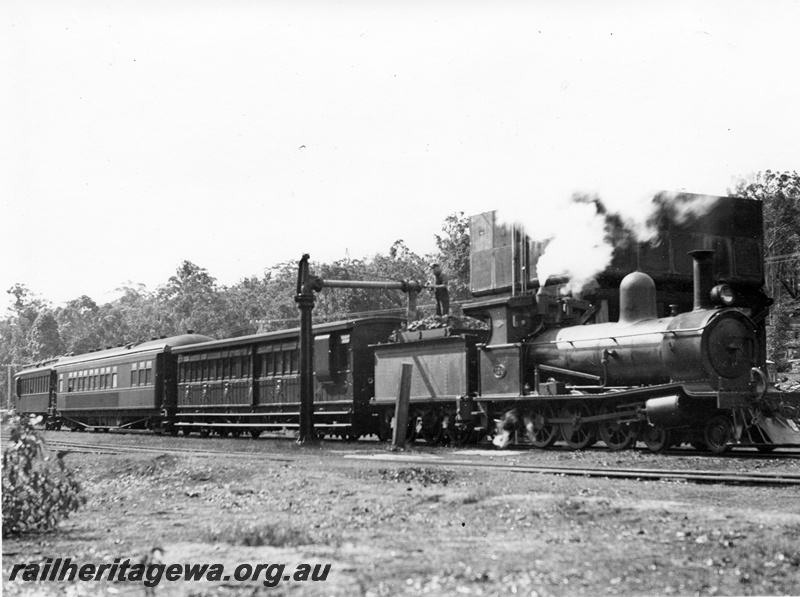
(616,435)
(575,432)
(539,430)
(718,433)
(655,438)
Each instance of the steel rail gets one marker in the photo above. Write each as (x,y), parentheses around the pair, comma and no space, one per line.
(108,448)
(705,476)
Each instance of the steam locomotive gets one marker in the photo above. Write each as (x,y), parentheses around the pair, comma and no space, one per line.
(667,346)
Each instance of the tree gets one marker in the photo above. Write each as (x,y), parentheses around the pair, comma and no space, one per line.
(780,194)
(77,325)
(192,301)
(453,254)
(44,340)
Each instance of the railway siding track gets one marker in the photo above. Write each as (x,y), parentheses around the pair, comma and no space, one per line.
(109,448)
(696,476)
(642,474)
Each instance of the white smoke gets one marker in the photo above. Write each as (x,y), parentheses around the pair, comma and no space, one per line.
(578,243)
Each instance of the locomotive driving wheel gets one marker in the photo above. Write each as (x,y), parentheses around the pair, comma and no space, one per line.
(718,433)
(616,435)
(577,433)
(538,428)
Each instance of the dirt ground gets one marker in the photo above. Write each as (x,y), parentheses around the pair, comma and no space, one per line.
(418,528)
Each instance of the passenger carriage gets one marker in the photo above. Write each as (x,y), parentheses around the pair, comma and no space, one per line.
(124,387)
(251,384)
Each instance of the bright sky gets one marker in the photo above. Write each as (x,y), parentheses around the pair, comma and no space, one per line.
(136,134)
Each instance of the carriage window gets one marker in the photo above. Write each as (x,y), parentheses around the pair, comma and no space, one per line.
(267,365)
(61,383)
(148,373)
(134,374)
(236,368)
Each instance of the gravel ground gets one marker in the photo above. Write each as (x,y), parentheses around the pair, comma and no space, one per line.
(418,528)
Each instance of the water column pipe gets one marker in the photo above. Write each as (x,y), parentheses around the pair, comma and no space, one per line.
(307,285)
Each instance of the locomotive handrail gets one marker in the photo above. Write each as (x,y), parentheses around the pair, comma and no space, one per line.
(614,337)
(569,372)
(499,346)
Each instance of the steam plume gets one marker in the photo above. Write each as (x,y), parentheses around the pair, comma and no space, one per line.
(580,234)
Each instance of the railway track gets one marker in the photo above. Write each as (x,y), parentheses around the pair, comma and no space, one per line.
(642,474)
(108,448)
(472,460)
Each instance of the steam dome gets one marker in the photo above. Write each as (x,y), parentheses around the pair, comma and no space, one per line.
(637,298)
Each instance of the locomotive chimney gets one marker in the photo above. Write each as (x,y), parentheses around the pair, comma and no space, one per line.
(703,278)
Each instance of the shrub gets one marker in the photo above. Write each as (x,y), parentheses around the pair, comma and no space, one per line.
(38,490)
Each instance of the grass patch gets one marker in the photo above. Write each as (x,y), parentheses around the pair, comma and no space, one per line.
(422,475)
(257,534)
(479,494)
(159,466)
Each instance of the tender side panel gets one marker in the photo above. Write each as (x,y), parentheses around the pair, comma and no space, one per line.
(439,369)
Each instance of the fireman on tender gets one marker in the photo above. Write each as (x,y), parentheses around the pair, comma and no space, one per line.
(439,286)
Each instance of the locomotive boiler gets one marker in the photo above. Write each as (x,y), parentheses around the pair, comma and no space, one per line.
(708,345)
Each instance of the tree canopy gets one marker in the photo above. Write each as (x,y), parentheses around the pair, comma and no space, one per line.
(780,193)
